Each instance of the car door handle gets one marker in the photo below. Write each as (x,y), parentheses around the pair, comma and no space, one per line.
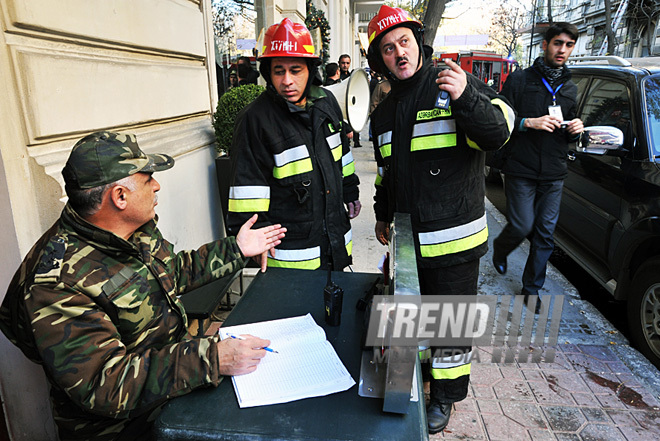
(570,156)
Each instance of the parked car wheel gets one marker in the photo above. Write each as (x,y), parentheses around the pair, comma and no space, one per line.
(644,310)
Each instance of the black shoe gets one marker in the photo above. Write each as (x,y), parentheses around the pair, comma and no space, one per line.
(438,415)
(537,308)
(357,145)
(499,264)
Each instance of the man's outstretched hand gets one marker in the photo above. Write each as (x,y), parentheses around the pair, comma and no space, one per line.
(258,242)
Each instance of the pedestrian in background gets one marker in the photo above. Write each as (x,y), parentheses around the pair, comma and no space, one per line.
(332,75)
(544,98)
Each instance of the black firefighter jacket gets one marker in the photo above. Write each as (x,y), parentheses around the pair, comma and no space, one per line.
(537,154)
(294,167)
(431,164)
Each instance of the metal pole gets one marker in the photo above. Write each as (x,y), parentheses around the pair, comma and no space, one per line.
(531,37)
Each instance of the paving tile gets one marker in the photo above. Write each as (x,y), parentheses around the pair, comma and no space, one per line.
(610,401)
(582,362)
(515,390)
(560,362)
(649,421)
(594,414)
(622,417)
(601,383)
(601,432)
(485,375)
(489,406)
(482,392)
(532,374)
(567,381)
(511,373)
(636,433)
(567,437)
(564,418)
(541,435)
(503,429)
(568,348)
(465,426)
(546,393)
(599,352)
(527,415)
(466,405)
(586,399)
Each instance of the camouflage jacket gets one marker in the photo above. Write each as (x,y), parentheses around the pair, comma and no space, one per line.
(101,315)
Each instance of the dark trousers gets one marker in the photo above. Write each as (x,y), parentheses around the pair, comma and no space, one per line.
(453,280)
(532,210)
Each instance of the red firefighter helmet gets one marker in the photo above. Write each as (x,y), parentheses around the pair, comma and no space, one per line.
(387,18)
(287,39)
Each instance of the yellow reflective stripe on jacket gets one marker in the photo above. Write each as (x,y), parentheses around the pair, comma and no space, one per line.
(379,180)
(249,198)
(454,240)
(385,143)
(307,258)
(334,142)
(291,162)
(452,367)
(348,241)
(509,116)
(347,164)
(433,135)
(451,373)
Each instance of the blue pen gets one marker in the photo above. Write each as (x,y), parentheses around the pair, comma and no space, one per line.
(238,337)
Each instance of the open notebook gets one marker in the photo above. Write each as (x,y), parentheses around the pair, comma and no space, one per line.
(306,364)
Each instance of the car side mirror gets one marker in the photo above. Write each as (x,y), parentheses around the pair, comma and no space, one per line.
(600,140)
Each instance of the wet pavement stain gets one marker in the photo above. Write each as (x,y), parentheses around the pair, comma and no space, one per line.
(626,394)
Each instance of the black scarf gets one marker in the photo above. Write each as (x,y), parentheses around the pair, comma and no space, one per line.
(551,74)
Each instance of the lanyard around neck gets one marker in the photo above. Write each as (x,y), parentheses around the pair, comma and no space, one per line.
(552,92)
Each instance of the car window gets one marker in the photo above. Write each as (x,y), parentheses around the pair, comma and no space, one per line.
(607,104)
(581,83)
(652,104)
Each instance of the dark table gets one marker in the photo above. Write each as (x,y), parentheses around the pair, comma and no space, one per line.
(213,413)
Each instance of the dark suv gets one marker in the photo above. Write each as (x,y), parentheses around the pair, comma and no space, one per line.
(610,213)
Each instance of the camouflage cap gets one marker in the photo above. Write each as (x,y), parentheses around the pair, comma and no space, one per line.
(105,157)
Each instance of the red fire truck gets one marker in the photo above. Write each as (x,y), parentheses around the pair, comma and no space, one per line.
(493,69)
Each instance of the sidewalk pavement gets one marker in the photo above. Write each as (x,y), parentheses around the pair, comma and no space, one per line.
(597,387)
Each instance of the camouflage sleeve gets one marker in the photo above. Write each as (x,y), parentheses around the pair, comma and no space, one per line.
(210,262)
(100,360)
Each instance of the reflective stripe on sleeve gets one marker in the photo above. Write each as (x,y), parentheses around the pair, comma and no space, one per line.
(451,367)
(348,241)
(249,198)
(385,143)
(306,258)
(334,142)
(455,239)
(348,164)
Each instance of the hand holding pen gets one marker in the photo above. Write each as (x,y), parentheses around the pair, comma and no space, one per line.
(238,337)
(238,356)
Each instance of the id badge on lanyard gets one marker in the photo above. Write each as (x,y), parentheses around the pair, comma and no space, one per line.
(554,109)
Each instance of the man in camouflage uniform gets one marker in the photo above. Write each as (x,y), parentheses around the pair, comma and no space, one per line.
(95,300)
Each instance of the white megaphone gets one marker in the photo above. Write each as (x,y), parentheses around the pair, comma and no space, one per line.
(352,94)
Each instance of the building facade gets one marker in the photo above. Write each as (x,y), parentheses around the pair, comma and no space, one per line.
(635,23)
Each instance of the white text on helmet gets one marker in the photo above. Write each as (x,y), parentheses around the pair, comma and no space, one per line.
(390,20)
(283,46)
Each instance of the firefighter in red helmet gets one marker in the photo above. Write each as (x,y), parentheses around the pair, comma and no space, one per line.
(429,136)
(291,158)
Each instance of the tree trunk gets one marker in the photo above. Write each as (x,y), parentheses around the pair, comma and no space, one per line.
(434,12)
(550,11)
(609,32)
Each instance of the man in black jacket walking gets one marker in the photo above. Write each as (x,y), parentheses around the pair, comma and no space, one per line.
(429,149)
(535,158)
